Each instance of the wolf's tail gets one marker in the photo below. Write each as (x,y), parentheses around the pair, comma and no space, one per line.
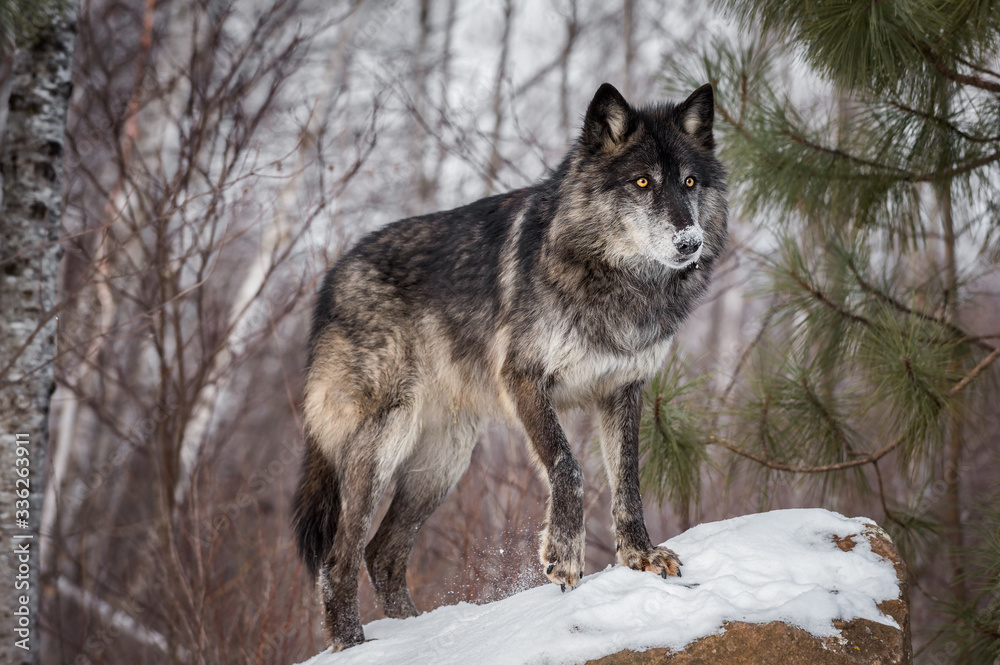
(316,507)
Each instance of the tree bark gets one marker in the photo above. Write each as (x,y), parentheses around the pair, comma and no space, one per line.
(628,24)
(953,453)
(493,167)
(31,164)
(572,29)
(421,144)
(444,79)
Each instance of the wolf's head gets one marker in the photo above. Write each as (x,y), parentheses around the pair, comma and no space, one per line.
(644,183)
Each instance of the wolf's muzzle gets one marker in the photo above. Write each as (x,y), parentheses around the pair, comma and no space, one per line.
(687,248)
(688,241)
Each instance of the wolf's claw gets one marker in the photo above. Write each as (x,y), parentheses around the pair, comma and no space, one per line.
(562,558)
(563,575)
(658,560)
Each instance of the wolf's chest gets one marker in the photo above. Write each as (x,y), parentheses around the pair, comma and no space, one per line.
(581,370)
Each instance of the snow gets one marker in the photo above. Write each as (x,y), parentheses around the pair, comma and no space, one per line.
(777,566)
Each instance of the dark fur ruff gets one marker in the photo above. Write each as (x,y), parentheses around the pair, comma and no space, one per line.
(564,294)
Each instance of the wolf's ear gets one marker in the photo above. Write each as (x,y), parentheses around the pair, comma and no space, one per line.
(607,120)
(696,114)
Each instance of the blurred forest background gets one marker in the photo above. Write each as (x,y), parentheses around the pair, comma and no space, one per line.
(220,155)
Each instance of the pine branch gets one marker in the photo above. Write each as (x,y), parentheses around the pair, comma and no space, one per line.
(978,68)
(890,515)
(827,417)
(728,118)
(960,334)
(777,465)
(836,152)
(821,297)
(857,318)
(902,174)
(958,77)
(947,174)
(944,123)
(763,421)
(976,371)
(862,458)
(765,324)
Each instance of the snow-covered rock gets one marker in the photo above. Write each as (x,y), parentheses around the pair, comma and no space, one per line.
(786,582)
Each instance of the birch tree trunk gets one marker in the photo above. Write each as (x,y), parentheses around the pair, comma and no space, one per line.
(421,103)
(31,164)
(628,24)
(493,167)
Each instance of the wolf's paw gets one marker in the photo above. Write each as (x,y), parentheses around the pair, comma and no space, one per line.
(657,560)
(562,559)
(339,644)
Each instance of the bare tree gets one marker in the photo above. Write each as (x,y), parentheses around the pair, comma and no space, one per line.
(421,64)
(628,26)
(31,164)
(493,166)
(201,168)
(572,29)
(444,75)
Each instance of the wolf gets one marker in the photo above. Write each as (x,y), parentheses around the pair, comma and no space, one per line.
(564,294)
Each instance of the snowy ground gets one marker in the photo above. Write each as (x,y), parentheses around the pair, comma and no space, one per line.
(776,566)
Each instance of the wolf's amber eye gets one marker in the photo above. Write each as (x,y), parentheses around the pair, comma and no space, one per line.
(642,182)
(689,181)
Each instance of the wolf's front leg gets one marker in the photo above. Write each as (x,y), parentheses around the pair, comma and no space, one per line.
(562,540)
(620,412)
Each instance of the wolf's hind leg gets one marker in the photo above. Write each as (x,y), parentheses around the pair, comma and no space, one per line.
(620,414)
(422,483)
(366,470)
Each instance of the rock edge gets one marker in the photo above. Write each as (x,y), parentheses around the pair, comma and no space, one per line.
(861,642)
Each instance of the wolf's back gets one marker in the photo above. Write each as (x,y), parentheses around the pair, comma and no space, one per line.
(446,265)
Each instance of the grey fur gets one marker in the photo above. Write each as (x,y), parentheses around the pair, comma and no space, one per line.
(564,294)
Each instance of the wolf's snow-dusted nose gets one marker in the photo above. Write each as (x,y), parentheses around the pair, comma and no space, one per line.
(688,240)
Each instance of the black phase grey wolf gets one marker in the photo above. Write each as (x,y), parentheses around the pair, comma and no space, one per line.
(564,294)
